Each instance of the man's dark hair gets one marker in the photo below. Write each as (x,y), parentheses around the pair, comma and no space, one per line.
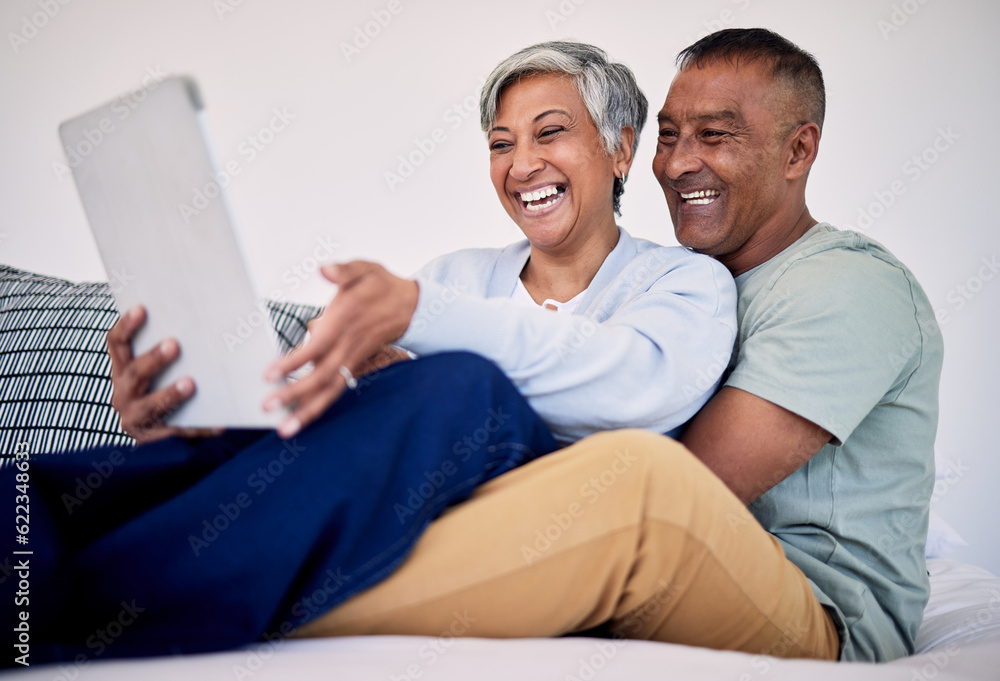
(787,63)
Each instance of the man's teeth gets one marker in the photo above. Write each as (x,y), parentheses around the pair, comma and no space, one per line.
(540,194)
(702,197)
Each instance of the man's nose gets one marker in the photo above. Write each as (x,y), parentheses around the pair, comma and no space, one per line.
(675,161)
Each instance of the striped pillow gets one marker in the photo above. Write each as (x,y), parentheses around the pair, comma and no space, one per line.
(55,373)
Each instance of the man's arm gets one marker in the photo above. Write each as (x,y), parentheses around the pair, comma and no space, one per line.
(750,443)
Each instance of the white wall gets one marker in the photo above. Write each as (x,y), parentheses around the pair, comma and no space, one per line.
(893,88)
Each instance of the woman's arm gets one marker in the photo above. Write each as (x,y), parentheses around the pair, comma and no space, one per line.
(650,357)
(650,353)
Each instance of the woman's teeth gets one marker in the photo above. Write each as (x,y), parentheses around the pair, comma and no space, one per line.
(530,198)
(702,197)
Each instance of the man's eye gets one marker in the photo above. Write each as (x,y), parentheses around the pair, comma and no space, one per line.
(667,136)
(713,134)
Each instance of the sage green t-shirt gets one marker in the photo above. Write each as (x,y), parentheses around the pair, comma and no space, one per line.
(838,331)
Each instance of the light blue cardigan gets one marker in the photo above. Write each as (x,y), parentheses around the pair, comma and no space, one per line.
(646,347)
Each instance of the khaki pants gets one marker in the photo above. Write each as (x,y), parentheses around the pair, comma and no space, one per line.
(626,526)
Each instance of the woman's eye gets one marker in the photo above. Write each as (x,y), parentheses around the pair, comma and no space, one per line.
(548,132)
(499,146)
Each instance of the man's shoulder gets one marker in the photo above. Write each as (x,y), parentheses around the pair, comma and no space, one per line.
(834,279)
(825,244)
(830,263)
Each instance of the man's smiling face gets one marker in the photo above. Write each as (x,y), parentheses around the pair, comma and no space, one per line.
(720,159)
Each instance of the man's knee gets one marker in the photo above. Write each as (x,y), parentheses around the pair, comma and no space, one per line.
(635,445)
(647,458)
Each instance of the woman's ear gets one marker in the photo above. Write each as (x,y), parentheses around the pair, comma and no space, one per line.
(623,157)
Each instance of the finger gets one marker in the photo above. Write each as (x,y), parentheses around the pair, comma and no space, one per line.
(322,336)
(153,432)
(318,391)
(324,329)
(150,411)
(306,412)
(166,400)
(144,436)
(347,274)
(299,355)
(120,335)
(346,352)
(303,389)
(139,373)
(198,432)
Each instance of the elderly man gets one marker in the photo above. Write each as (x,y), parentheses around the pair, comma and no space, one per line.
(825,427)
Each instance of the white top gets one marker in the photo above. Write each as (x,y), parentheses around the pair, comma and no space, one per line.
(521,295)
(645,348)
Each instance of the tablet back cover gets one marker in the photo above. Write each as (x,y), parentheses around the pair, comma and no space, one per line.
(148,184)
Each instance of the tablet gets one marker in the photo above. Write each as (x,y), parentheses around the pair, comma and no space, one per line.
(153,196)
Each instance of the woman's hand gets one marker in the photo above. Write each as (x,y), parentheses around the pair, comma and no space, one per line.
(142,414)
(371,309)
(383,357)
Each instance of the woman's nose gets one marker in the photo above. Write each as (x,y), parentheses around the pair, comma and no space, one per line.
(525,162)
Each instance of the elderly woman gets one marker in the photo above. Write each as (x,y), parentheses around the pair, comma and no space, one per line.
(641,334)
(224,540)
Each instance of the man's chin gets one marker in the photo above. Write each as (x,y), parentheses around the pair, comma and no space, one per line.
(696,237)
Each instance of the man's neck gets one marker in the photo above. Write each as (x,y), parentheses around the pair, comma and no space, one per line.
(767,243)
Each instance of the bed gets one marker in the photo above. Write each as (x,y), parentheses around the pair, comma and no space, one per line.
(55,393)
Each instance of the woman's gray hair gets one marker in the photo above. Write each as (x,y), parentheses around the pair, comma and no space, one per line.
(608,90)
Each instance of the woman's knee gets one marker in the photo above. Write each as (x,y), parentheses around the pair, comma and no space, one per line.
(457,374)
(460,361)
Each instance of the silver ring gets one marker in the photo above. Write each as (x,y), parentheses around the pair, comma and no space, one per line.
(349,379)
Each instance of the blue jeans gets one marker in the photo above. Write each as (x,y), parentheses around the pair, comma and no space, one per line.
(196,545)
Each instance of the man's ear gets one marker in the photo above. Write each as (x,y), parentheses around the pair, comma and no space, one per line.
(804,145)
(623,157)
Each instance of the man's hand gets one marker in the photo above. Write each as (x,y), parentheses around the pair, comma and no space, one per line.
(750,443)
(371,309)
(142,413)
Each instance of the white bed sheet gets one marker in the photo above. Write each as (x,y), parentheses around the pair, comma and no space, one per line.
(959,641)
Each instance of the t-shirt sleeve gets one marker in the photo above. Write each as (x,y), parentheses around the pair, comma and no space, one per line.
(830,337)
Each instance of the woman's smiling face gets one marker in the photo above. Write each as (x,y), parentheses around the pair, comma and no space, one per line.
(548,163)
